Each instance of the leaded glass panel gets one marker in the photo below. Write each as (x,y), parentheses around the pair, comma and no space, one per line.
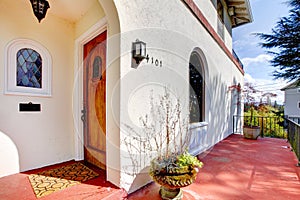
(29,68)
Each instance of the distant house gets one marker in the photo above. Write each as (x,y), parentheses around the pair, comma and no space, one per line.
(70,84)
(292,100)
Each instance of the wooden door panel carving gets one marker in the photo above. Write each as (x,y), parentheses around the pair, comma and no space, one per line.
(95,100)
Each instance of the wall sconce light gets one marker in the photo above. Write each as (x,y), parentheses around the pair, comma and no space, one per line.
(231,11)
(40,8)
(138,51)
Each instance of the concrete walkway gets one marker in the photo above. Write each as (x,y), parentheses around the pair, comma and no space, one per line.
(235,168)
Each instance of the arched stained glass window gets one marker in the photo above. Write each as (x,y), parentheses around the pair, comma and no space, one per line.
(29,68)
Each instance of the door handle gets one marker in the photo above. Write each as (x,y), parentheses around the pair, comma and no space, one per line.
(83,115)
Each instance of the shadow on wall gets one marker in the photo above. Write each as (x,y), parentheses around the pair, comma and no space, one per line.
(9,156)
(219,109)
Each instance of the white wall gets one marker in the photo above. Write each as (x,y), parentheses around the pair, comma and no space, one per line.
(48,137)
(94,14)
(210,13)
(9,156)
(113,93)
(171,33)
(45,137)
(292,99)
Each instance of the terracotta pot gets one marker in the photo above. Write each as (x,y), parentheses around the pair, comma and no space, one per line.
(172,177)
(251,132)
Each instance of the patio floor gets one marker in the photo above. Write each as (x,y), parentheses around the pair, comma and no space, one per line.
(235,168)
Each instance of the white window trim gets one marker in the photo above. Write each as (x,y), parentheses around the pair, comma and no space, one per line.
(10,86)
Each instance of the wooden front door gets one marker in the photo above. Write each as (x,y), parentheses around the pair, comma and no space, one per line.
(95,101)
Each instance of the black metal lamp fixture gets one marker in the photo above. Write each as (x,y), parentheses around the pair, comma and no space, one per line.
(138,51)
(40,8)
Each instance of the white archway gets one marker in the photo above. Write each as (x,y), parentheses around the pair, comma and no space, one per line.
(110,23)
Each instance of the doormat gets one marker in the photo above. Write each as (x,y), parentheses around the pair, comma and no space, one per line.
(49,181)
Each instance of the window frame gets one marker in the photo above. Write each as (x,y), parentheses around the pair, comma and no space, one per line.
(11,69)
(200,70)
(221,10)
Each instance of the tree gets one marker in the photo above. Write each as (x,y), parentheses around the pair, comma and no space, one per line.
(251,96)
(285,39)
(249,93)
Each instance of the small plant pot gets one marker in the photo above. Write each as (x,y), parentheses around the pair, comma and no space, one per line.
(251,132)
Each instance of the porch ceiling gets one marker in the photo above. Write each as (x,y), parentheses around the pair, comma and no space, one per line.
(69,9)
(240,12)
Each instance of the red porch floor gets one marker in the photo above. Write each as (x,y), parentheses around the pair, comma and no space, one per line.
(235,168)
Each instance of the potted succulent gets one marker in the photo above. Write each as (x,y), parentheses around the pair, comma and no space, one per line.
(250,131)
(164,137)
(173,167)
(174,172)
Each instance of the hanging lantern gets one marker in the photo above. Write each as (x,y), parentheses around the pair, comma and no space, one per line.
(40,8)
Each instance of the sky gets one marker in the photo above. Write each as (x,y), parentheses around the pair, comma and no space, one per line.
(255,59)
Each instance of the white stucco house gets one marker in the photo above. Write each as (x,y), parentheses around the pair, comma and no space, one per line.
(292,100)
(70,86)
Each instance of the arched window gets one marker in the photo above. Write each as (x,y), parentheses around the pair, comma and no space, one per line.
(97,68)
(196,80)
(28,68)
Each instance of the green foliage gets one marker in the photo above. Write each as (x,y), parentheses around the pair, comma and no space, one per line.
(187,159)
(285,39)
(269,118)
(250,117)
(184,163)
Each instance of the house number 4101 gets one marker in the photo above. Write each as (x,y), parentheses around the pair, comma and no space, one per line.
(156,62)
